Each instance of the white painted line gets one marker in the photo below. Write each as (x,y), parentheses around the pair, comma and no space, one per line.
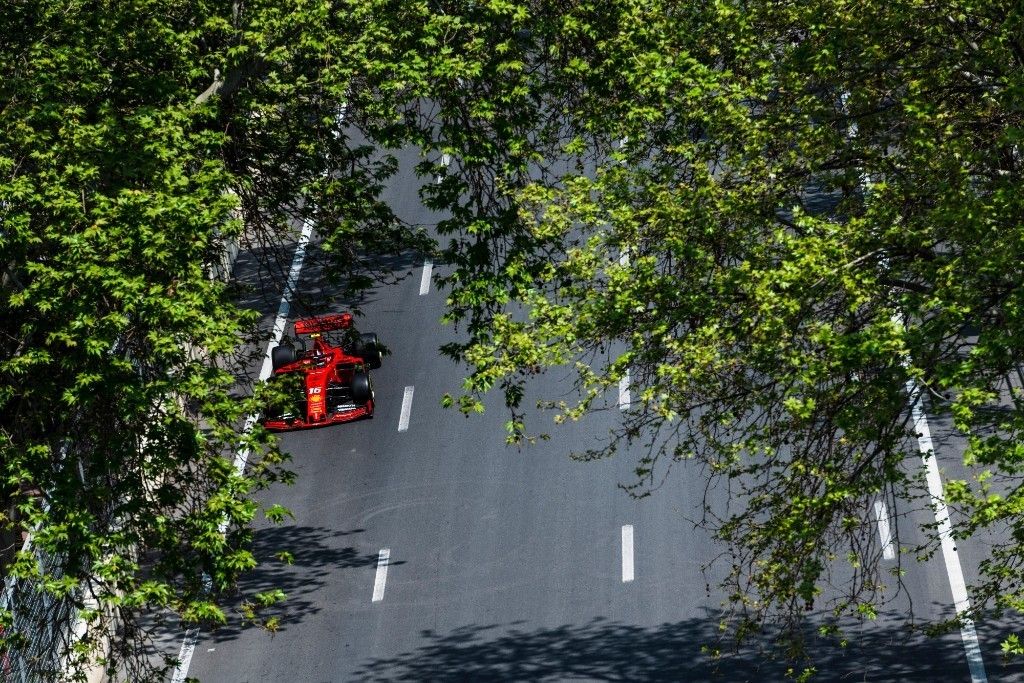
(624,396)
(382,574)
(428,267)
(188,646)
(622,148)
(884,530)
(446,160)
(285,307)
(336,133)
(403,418)
(954,571)
(627,553)
(185,656)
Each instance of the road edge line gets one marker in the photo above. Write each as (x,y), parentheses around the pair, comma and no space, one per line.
(188,645)
(950,556)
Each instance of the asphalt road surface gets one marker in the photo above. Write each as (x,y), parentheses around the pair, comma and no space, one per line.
(426,549)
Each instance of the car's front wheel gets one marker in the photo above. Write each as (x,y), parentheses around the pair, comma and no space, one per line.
(282,355)
(361,390)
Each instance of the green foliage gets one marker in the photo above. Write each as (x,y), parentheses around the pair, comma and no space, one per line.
(735,203)
(730,203)
(139,139)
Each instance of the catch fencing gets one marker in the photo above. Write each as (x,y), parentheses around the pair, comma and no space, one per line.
(42,622)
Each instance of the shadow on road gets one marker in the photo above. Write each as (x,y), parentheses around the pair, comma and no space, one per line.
(317,553)
(259,277)
(605,650)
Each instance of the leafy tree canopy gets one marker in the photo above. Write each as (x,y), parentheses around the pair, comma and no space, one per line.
(769,219)
(138,139)
(772,216)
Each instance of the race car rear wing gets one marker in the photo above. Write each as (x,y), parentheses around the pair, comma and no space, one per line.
(323,323)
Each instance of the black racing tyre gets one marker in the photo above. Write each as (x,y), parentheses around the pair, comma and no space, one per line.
(281,356)
(361,387)
(369,350)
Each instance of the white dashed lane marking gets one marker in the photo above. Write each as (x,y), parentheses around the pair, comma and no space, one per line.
(627,553)
(446,160)
(382,574)
(884,529)
(428,268)
(624,397)
(403,418)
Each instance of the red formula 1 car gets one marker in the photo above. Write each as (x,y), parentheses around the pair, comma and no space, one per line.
(329,382)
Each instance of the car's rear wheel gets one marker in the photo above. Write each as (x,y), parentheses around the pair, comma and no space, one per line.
(281,356)
(369,350)
(361,392)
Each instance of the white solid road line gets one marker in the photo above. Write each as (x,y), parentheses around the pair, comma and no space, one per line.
(382,574)
(924,444)
(627,553)
(428,267)
(884,530)
(403,418)
(624,397)
(285,307)
(953,569)
(188,646)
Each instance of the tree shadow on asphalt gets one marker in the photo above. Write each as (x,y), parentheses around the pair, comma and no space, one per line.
(606,650)
(317,553)
(259,277)
(317,293)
